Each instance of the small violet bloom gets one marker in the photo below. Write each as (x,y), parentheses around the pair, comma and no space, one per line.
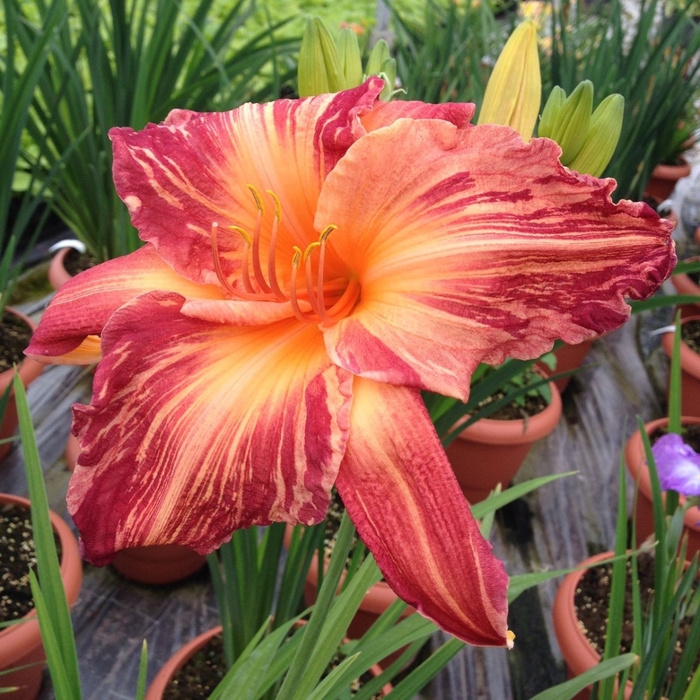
(310,266)
(678,465)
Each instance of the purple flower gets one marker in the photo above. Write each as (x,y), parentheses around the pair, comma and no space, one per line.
(678,465)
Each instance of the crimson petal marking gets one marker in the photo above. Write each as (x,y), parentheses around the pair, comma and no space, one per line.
(386,113)
(196,429)
(478,247)
(403,498)
(179,177)
(84,304)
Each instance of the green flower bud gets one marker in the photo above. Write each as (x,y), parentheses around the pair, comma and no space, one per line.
(603,135)
(350,58)
(573,121)
(379,56)
(320,70)
(551,110)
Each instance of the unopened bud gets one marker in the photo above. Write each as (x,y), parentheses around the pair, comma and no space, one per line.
(514,89)
(382,64)
(551,110)
(573,121)
(350,58)
(319,64)
(603,135)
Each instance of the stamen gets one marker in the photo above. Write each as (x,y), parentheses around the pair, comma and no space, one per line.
(278,204)
(245,274)
(293,289)
(310,290)
(320,301)
(258,199)
(217,261)
(271,267)
(257,270)
(344,305)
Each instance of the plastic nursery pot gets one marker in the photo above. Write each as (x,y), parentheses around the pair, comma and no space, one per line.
(639,471)
(690,371)
(490,452)
(20,644)
(156,564)
(578,654)
(29,370)
(180,658)
(58,275)
(664,178)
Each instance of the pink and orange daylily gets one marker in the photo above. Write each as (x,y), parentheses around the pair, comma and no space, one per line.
(310,266)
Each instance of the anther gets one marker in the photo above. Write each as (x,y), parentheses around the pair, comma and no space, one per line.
(278,204)
(257,198)
(243,232)
(327,232)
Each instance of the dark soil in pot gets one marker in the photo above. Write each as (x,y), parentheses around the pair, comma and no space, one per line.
(690,333)
(690,434)
(15,335)
(17,556)
(525,407)
(198,678)
(76,262)
(592,606)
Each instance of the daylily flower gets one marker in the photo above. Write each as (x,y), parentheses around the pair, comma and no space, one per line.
(311,265)
(677,464)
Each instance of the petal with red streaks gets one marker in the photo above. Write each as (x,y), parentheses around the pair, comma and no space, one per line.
(478,247)
(196,429)
(404,500)
(84,304)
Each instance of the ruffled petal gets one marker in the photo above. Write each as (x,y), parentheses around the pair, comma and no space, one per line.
(83,305)
(478,247)
(196,429)
(403,498)
(386,113)
(179,177)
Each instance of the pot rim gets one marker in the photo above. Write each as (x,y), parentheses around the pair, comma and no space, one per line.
(690,360)
(639,471)
(519,430)
(29,368)
(27,633)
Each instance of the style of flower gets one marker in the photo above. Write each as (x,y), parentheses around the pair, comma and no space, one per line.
(311,266)
(677,464)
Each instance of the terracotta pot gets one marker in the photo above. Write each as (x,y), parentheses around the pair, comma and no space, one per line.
(377,599)
(638,469)
(178,660)
(58,275)
(684,285)
(20,644)
(570,357)
(578,654)
(690,372)
(156,564)
(490,452)
(664,178)
(29,370)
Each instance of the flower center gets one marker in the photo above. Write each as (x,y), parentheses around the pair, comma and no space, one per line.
(313,299)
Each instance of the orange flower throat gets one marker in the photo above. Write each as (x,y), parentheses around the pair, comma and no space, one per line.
(328,301)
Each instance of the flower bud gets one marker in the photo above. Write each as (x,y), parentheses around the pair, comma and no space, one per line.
(573,121)
(603,135)
(513,92)
(320,70)
(551,110)
(350,57)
